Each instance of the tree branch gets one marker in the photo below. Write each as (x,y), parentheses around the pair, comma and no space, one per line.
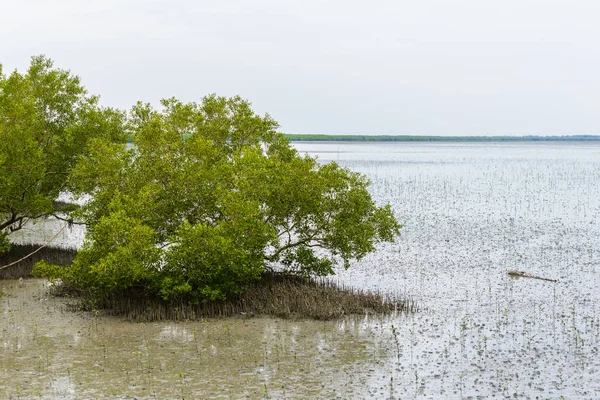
(305,242)
(70,221)
(8,223)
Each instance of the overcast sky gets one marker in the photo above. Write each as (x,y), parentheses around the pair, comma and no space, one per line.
(425,67)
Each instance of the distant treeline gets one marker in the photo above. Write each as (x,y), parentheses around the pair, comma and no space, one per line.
(406,138)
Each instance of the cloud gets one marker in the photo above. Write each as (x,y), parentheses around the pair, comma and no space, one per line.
(415,67)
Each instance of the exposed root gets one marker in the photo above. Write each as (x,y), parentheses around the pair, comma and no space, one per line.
(276,294)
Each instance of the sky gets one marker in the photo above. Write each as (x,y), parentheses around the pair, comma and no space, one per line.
(419,67)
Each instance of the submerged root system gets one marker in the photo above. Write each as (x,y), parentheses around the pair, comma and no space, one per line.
(276,294)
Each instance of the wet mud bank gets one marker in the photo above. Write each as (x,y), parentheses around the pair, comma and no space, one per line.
(24,256)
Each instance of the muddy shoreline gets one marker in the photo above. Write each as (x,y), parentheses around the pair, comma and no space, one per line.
(49,351)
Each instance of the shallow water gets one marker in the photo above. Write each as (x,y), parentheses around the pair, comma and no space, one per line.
(49,351)
(470,213)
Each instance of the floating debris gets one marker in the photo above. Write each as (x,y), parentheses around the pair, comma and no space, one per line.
(522,274)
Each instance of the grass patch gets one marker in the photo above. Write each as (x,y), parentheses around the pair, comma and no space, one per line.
(53,255)
(276,294)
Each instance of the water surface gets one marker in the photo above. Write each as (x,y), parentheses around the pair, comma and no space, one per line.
(470,213)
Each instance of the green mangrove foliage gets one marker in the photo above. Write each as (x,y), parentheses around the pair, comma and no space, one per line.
(46,122)
(208,198)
